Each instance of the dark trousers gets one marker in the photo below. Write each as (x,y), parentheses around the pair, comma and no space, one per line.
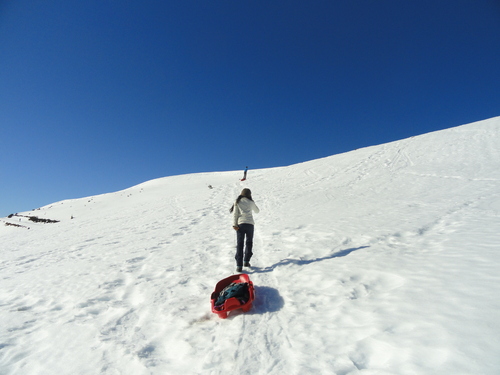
(244,236)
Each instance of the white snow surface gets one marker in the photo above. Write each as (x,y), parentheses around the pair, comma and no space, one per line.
(383,260)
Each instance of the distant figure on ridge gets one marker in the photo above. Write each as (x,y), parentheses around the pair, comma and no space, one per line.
(244,174)
(243,224)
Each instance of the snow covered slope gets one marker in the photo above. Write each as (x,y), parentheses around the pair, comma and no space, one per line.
(383,260)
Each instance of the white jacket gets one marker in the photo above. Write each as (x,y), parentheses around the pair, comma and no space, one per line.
(242,213)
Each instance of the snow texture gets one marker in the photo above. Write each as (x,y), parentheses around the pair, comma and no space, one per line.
(383,260)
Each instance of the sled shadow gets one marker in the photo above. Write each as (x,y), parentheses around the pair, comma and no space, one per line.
(267,300)
(300,262)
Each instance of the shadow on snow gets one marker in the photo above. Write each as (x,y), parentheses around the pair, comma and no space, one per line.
(303,262)
(269,299)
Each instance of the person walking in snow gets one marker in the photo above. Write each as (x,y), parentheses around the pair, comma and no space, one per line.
(243,224)
(244,174)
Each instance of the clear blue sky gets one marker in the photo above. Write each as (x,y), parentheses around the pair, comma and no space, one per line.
(99,95)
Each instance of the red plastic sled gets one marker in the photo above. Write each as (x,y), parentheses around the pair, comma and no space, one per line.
(232,303)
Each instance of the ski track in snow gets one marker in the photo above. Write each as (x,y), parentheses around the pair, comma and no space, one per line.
(383,260)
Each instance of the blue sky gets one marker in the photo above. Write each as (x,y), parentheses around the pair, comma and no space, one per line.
(97,96)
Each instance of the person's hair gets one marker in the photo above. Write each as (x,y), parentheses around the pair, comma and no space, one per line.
(245,193)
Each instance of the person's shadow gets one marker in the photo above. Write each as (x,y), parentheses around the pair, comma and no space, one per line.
(267,299)
(302,262)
